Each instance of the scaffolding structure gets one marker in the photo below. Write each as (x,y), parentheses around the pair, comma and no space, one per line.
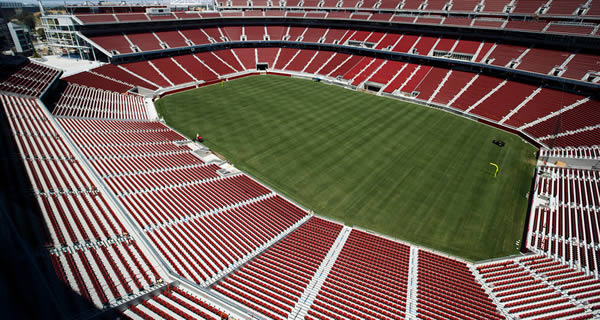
(64,39)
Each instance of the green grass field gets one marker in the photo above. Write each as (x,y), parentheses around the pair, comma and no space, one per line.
(408,171)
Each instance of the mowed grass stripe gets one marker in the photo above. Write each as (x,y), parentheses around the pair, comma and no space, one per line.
(408,171)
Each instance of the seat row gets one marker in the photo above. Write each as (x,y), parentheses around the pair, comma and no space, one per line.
(566,225)
(488,6)
(146,159)
(119,79)
(273,282)
(201,248)
(537,286)
(172,303)
(104,126)
(585,137)
(369,10)
(84,102)
(568,121)
(574,187)
(448,289)
(125,138)
(167,178)
(127,151)
(106,273)
(29,78)
(590,153)
(573,65)
(369,280)
(162,206)
(85,78)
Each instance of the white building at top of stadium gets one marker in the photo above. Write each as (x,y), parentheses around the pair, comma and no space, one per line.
(64,39)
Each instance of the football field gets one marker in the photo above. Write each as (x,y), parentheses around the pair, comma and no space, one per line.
(407,171)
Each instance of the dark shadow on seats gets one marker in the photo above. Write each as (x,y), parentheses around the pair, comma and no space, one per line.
(29,286)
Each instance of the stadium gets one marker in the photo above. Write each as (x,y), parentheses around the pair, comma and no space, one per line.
(305,159)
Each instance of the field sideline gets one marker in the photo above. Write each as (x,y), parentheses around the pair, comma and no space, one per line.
(408,171)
